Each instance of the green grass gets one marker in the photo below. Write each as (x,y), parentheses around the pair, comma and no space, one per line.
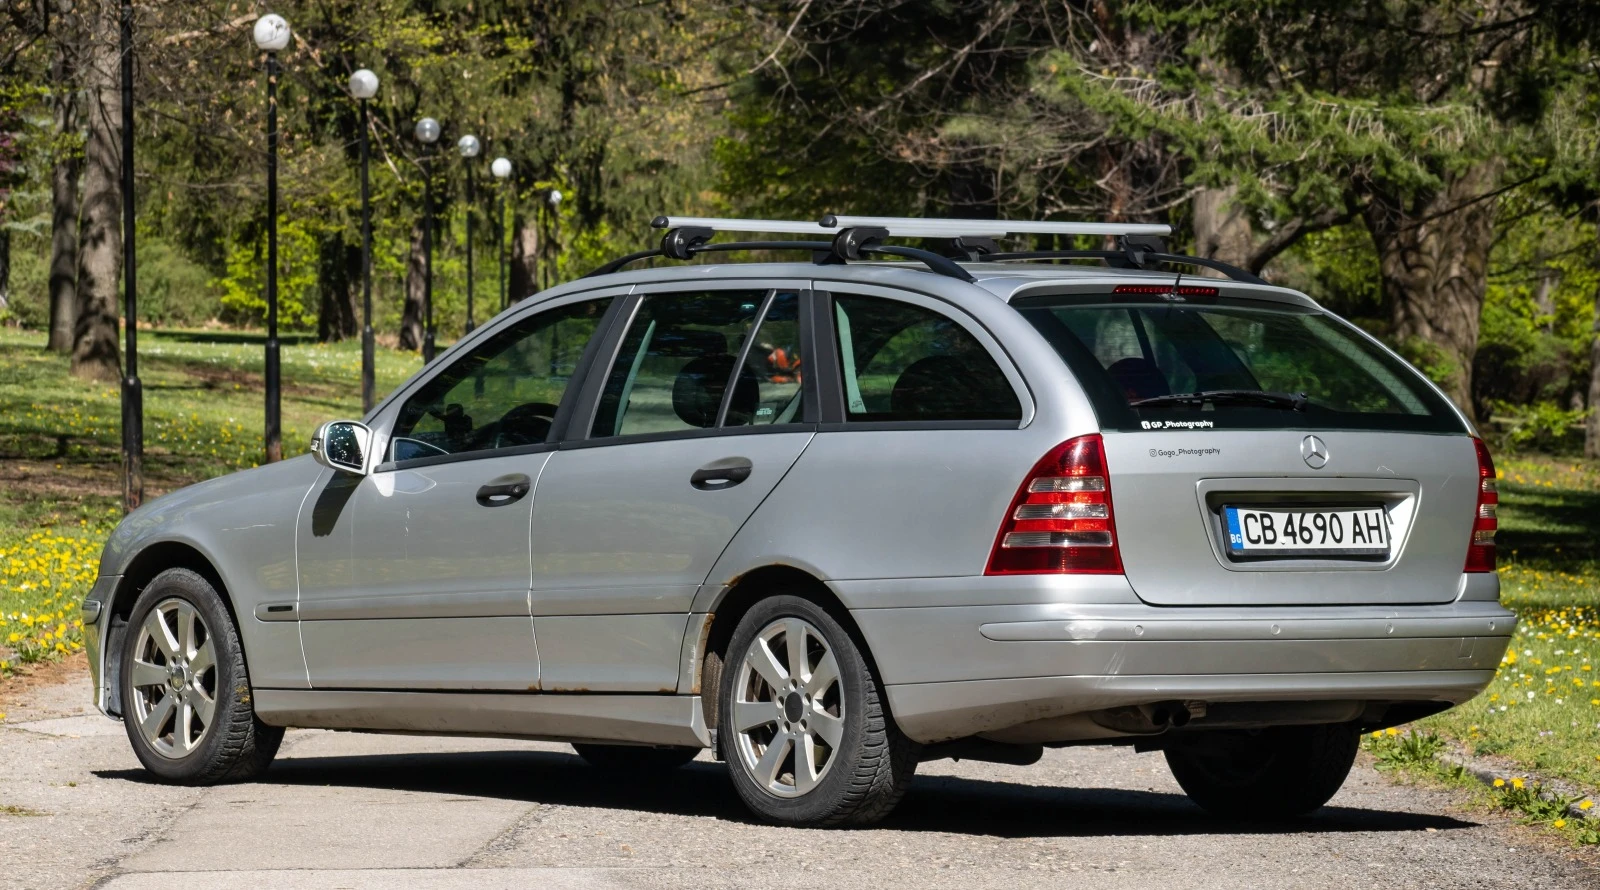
(1542,713)
(61,459)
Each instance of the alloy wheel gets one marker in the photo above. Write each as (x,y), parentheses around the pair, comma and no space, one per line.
(174,678)
(788,708)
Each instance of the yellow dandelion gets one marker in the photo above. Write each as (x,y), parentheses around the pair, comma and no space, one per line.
(1586,805)
(1560,823)
(1499,783)
(1517,784)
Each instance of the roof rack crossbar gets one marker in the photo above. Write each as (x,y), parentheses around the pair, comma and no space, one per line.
(910,227)
(1233,272)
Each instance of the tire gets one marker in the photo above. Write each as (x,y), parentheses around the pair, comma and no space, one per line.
(1271,774)
(856,781)
(635,759)
(183,747)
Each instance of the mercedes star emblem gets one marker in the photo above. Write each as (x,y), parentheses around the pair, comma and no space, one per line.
(1315,451)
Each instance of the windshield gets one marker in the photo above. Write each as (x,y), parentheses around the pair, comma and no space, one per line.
(1244,364)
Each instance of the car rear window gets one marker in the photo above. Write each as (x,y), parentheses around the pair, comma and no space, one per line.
(1204,365)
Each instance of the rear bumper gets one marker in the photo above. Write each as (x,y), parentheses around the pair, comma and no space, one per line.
(952,672)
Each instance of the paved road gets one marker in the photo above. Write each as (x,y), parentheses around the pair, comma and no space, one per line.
(342,810)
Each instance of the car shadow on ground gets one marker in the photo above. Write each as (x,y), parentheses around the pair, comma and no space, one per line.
(935,803)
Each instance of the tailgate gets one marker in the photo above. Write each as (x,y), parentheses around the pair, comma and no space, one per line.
(1170,490)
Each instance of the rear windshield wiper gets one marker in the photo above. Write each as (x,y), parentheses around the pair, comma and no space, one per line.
(1294,401)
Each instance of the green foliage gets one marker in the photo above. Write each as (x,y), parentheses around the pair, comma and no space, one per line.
(1543,426)
(1410,748)
(173,289)
(244,286)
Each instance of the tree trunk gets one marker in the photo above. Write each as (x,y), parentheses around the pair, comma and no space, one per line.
(338,273)
(5,268)
(1222,230)
(1433,257)
(94,338)
(67,166)
(1591,426)
(524,273)
(411,314)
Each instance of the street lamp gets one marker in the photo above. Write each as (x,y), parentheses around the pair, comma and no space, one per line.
(132,390)
(272,35)
(501,168)
(469,147)
(555,224)
(363,86)
(427,133)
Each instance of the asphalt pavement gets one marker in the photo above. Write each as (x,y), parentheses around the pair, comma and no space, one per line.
(346,810)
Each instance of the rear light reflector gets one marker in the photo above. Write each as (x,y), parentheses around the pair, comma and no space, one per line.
(1060,521)
(1156,290)
(1480,551)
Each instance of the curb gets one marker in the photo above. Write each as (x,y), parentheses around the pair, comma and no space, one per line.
(1488,777)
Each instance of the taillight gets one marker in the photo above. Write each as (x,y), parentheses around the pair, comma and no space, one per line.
(1480,554)
(1061,521)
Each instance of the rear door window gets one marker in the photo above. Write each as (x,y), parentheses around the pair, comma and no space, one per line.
(901,362)
(1234,364)
(688,362)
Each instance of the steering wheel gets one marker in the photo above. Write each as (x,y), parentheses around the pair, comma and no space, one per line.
(526,424)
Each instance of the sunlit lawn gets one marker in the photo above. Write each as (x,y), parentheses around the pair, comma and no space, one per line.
(60,452)
(1543,710)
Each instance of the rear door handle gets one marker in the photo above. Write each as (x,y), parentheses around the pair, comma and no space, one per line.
(720,474)
(502,490)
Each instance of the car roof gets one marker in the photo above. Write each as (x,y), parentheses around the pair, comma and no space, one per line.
(1005,281)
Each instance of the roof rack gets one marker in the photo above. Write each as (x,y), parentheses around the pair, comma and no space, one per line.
(971,240)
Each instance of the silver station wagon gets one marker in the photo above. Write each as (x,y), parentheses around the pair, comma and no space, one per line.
(834,516)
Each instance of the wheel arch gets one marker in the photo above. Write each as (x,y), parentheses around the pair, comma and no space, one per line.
(737,599)
(150,561)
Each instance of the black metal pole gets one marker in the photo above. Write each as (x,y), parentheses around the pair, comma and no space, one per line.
(367,373)
(500,237)
(427,258)
(471,206)
(132,391)
(273,432)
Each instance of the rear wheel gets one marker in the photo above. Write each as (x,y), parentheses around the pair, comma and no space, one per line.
(803,724)
(185,693)
(1267,774)
(635,758)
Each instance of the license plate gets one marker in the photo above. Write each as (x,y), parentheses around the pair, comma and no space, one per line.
(1326,532)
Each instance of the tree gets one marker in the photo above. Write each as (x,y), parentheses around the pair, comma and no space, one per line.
(95,354)
(66,166)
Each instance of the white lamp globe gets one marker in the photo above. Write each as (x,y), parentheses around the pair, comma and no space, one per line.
(555,198)
(363,84)
(271,32)
(501,168)
(469,146)
(428,130)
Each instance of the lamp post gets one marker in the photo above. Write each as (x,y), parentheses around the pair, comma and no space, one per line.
(132,391)
(427,133)
(272,35)
(555,226)
(469,147)
(363,86)
(501,168)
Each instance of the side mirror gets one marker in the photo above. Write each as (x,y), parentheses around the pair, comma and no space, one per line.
(342,445)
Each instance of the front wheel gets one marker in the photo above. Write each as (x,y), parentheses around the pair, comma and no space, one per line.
(803,724)
(1267,774)
(186,700)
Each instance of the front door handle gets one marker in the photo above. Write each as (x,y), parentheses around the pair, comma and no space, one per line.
(720,474)
(502,490)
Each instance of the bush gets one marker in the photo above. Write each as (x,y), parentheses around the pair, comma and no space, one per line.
(173,289)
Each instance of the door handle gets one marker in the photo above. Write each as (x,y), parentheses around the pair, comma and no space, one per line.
(720,474)
(502,490)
